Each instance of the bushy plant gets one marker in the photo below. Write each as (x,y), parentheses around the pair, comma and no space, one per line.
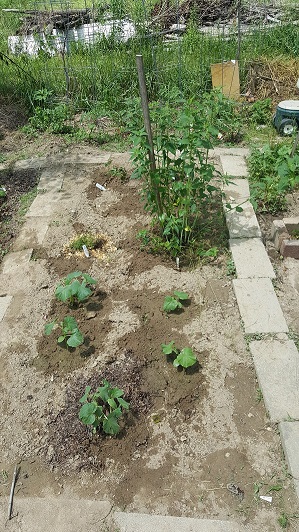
(69,331)
(273,173)
(74,291)
(103,408)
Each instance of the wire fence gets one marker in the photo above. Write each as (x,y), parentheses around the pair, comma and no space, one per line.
(85,51)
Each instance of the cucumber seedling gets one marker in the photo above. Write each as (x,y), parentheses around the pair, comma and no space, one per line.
(69,331)
(184,357)
(173,302)
(74,291)
(103,408)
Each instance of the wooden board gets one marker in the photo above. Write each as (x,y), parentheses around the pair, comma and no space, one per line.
(226,76)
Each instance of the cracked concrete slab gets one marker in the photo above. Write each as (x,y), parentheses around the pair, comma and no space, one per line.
(133,522)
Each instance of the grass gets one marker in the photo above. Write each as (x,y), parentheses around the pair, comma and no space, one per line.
(25,202)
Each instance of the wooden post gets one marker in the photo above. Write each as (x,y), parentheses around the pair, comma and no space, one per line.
(147,125)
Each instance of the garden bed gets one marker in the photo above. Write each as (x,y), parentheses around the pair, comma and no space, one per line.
(188,433)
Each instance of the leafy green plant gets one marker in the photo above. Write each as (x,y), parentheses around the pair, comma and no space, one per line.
(184,358)
(173,302)
(74,291)
(86,239)
(69,331)
(273,173)
(260,111)
(178,191)
(103,408)
(3,192)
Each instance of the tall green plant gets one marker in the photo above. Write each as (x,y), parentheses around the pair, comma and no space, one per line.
(184,178)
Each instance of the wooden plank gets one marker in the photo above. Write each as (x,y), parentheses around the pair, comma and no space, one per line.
(226,76)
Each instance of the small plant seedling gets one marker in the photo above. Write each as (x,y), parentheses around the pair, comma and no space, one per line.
(184,358)
(74,291)
(3,192)
(173,302)
(103,408)
(69,331)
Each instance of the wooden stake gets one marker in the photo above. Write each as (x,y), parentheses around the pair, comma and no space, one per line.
(12,490)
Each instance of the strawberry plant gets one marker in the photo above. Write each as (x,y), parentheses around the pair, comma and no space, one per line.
(184,358)
(103,408)
(173,302)
(69,331)
(74,291)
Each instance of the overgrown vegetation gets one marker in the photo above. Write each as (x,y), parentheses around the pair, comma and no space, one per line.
(273,173)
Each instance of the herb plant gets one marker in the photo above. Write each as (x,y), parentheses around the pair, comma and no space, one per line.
(69,331)
(184,358)
(173,302)
(103,408)
(74,291)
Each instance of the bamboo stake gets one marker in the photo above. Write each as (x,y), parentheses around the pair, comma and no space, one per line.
(12,490)
(147,124)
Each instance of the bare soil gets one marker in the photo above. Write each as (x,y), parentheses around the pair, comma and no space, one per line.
(188,434)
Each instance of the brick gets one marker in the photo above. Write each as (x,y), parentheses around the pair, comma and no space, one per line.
(278,228)
(290,248)
(292,224)
(279,238)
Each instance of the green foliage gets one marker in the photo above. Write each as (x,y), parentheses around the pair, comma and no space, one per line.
(283,520)
(103,408)
(260,112)
(273,173)
(86,239)
(184,358)
(74,291)
(69,331)
(3,192)
(52,120)
(178,192)
(172,303)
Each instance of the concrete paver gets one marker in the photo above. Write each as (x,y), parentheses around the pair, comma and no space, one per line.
(236,191)
(15,261)
(55,515)
(250,258)
(259,307)
(59,159)
(234,165)
(133,522)
(45,204)
(289,431)
(32,233)
(243,224)
(4,304)
(277,366)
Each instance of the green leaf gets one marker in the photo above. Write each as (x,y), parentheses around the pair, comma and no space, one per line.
(69,324)
(110,425)
(168,349)
(75,339)
(82,292)
(116,392)
(63,293)
(181,295)
(87,413)
(61,338)
(72,276)
(88,279)
(170,304)
(112,403)
(186,358)
(86,394)
(239,209)
(49,327)
(124,403)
